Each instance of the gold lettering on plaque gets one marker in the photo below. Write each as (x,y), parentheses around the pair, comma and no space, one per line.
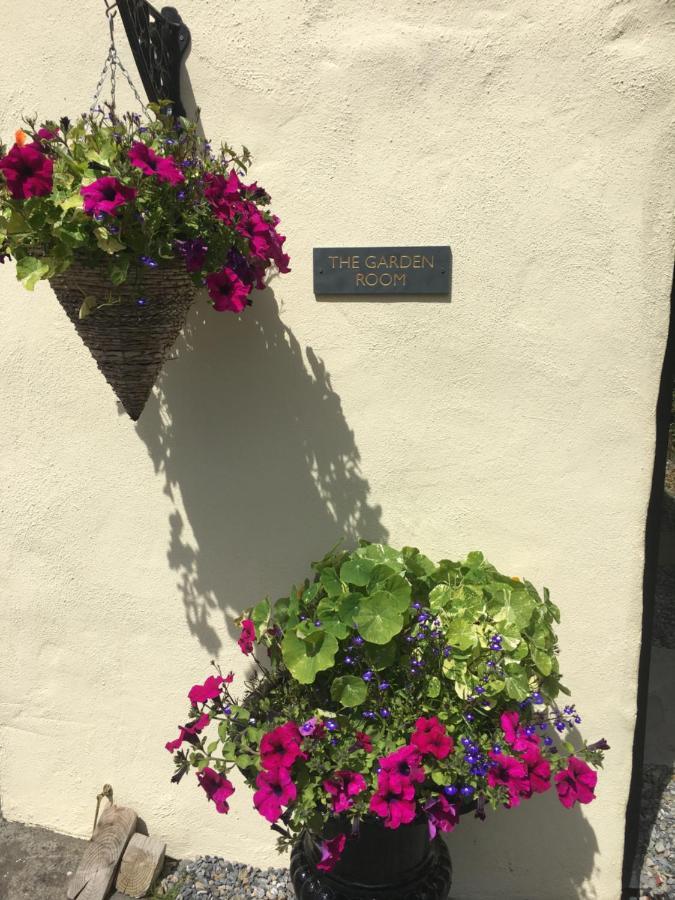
(359,279)
(332,261)
(406,264)
(399,278)
(428,262)
(370,262)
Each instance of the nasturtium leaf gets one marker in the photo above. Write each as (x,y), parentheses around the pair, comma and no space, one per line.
(349,690)
(260,615)
(377,618)
(331,583)
(542,661)
(433,687)
(347,606)
(331,621)
(397,587)
(512,607)
(305,658)
(461,633)
(382,555)
(119,269)
(417,563)
(516,683)
(30,270)
(357,571)
(440,597)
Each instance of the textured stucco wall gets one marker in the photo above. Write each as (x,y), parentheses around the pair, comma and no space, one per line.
(533,137)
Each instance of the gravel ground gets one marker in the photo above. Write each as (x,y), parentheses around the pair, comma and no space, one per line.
(210,877)
(657,821)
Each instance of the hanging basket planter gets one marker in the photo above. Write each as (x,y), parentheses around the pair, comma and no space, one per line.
(127,216)
(133,327)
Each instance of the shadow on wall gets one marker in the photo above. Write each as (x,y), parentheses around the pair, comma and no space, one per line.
(254,448)
(539,843)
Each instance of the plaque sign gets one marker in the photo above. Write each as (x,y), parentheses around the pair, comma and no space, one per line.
(382,270)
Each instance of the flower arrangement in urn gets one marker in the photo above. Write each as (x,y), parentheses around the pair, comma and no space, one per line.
(390,691)
(127,216)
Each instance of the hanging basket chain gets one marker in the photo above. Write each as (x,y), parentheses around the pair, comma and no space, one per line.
(112,63)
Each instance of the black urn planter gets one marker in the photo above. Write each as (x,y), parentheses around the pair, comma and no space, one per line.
(378,863)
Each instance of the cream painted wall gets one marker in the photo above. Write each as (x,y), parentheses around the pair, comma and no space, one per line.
(535,138)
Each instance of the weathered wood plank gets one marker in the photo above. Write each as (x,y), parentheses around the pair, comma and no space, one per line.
(94,875)
(141,864)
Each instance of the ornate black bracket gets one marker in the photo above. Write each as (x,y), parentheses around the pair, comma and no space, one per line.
(159,41)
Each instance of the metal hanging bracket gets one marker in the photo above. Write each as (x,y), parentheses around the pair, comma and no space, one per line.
(160,42)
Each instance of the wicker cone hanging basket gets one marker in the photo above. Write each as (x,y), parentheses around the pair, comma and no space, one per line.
(129,337)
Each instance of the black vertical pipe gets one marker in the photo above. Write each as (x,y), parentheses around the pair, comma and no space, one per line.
(631,884)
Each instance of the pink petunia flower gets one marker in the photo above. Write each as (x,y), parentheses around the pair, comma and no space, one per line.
(247,636)
(510,773)
(163,167)
(403,767)
(187,732)
(227,290)
(105,196)
(364,741)
(200,693)
(217,788)
(281,747)
(331,852)
(28,172)
(576,782)
(393,803)
(343,787)
(46,134)
(441,815)
(515,735)
(538,772)
(430,737)
(222,192)
(275,790)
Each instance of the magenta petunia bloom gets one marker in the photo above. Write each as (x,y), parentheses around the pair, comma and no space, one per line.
(441,815)
(200,693)
(394,804)
(247,636)
(46,134)
(403,767)
(164,167)
(281,747)
(509,772)
(105,196)
(222,193)
(275,789)
(227,290)
(193,252)
(430,737)
(28,172)
(538,772)
(364,741)
(343,787)
(217,788)
(331,852)
(188,732)
(576,782)
(516,736)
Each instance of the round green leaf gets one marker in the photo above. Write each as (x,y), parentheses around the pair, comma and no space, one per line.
(305,658)
(377,618)
(349,690)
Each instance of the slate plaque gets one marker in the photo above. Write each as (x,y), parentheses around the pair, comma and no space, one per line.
(382,270)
